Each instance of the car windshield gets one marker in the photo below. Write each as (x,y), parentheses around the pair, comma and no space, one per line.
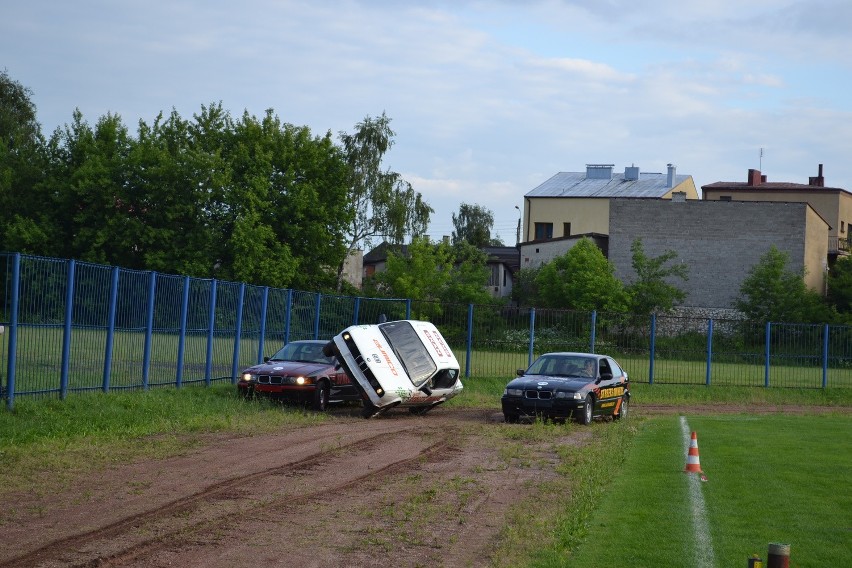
(302,352)
(564,366)
(411,352)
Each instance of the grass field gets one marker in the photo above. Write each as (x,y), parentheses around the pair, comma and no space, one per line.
(624,499)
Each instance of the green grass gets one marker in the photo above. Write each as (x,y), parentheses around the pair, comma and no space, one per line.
(776,478)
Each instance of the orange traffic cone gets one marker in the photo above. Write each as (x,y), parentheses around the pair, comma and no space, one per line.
(692,463)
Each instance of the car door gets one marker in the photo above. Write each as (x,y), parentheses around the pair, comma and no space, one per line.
(609,389)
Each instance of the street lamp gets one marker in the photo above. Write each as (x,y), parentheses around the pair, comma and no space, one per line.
(518,238)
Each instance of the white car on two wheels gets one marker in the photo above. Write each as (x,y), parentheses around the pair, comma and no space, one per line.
(405,363)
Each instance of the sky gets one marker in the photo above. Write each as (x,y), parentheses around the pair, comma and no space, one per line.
(488,99)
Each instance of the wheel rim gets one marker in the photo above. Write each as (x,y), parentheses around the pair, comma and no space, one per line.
(588,410)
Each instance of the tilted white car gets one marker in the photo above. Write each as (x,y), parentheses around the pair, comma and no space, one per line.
(403,363)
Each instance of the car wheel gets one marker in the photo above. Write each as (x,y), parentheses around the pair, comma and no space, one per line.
(587,410)
(510,418)
(369,410)
(421,410)
(320,402)
(622,412)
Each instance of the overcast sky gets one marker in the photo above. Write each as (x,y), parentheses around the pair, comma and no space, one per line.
(488,99)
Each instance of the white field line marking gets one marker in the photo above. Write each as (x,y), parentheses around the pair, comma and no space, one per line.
(704,555)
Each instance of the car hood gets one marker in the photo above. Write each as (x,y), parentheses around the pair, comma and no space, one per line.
(287,368)
(572,384)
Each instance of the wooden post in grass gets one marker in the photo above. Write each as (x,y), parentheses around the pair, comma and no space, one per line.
(779,555)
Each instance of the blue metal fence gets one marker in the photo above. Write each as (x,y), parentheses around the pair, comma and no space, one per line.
(69,326)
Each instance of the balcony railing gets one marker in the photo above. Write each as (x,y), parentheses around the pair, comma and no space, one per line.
(838,245)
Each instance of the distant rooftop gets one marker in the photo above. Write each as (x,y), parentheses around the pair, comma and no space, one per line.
(599,180)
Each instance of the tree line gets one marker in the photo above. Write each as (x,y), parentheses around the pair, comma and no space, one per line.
(259,200)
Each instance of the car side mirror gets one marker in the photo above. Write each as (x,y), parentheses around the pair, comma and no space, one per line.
(266,359)
(520,372)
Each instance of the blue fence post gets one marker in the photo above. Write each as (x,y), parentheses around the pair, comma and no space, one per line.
(238,332)
(13,331)
(653,348)
(184,310)
(263,308)
(532,337)
(113,301)
(825,356)
(211,333)
(317,305)
(287,311)
(357,310)
(149,330)
(469,340)
(709,350)
(766,355)
(66,336)
(593,331)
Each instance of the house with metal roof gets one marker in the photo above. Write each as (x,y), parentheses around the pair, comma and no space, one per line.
(571,205)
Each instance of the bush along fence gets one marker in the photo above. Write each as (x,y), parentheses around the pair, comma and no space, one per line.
(68,326)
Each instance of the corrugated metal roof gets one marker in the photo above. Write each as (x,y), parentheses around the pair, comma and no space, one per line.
(576,184)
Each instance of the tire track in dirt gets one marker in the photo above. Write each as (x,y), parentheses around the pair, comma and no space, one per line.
(245,493)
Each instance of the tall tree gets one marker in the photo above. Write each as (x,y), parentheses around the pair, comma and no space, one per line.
(772,292)
(380,202)
(652,290)
(840,285)
(581,279)
(473,225)
(25,211)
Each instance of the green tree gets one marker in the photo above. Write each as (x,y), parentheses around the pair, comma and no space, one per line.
(651,291)
(473,225)
(774,293)
(25,208)
(380,202)
(525,288)
(581,279)
(437,272)
(840,286)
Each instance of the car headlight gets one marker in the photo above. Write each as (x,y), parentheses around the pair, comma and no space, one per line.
(247,377)
(303,381)
(514,392)
(578,396)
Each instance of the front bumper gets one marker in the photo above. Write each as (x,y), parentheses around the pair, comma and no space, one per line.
(553,408)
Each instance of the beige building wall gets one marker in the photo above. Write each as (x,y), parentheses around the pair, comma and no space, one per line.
(816,252)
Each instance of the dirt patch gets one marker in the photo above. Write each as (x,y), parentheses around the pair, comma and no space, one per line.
(420,491)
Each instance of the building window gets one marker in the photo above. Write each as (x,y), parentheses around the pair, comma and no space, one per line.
(724,198)
(566,229)
(543,231)
(842,227)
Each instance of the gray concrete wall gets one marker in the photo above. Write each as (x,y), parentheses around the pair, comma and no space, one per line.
(720,241)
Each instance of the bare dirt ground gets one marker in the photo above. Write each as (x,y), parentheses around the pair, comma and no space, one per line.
(412,491)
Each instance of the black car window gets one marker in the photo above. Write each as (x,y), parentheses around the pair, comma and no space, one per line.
(616,370)
(605,368)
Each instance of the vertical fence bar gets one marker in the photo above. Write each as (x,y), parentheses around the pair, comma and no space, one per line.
(184,310)
(13,331)
(149,330)
(469,340)
(317,308)
(287,311)
(238,332)
(709,351)
(593,331)
(766,354)
(110,340)
(66,335)
(211,334)
(263,308)
(653,348)
(408,309)
(532,338)
(825,356)
(356,310)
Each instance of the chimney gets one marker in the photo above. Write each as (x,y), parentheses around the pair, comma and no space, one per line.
(818,181)
(631,173)
(599,171)
(671,176)
(754,178)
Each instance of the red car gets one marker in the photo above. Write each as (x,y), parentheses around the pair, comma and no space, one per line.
(299,371)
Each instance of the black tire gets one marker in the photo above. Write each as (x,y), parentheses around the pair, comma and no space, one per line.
(623,411)
(421,410)
(369,410)
(509,418)
(320,399)
(586,412)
